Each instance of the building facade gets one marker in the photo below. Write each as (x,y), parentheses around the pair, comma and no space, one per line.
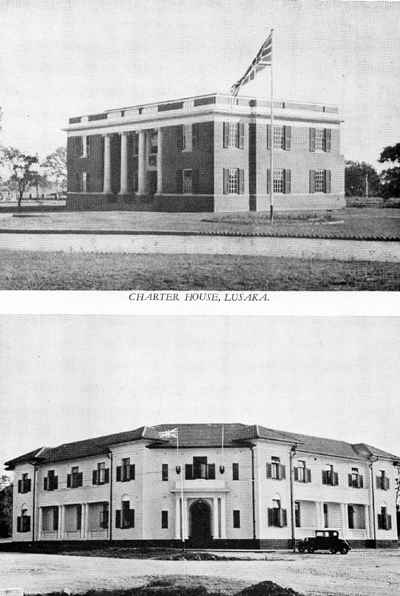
(227,486)
(208,153)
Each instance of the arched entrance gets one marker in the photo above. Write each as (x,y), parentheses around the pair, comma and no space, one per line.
(200,523)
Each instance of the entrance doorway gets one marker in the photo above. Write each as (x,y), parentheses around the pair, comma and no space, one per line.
(200,523)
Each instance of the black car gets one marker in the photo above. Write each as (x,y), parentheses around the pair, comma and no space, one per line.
(324,540)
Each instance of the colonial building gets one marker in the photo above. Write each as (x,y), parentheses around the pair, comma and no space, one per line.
(208,153)
(227,485)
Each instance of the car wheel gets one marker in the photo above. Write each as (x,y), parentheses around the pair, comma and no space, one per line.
(344,550)
(301,549)
(333,551)
(310,549)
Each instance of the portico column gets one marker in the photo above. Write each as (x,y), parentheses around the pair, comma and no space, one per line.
(159,161)
(177,518)
(343,512)
(107,165)
(223,518)
(185,519)
(142,157)
(215,518)
(61,522)
(39,528)
(123,190)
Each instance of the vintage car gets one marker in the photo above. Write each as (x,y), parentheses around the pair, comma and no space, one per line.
(324,540)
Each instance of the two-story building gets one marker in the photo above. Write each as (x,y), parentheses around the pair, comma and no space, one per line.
(207,153)
(224,485)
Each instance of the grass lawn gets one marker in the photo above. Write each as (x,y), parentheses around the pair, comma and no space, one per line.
(21,270)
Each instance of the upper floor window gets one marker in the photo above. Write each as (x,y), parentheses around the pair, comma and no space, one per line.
(233,135)
(329,476)
(75,479)
(25,484)
(277,516)
(282,137)
(382,481)
(355,479)
(301,473)
(235,471)
(164,472)
(126,471)
(384,520)
(200,469)
(79,146)
(51,481)
(275,469)
(101,475)
(187,137)
(320,139)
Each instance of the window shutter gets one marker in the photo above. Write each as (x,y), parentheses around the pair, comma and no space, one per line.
(269,471)
(195,136)
(226,134)
(312,139)
(241,181)
(189,472)
(132,472)
(327,140)
(327,179)
(284,518)
(131,518)
(350,480)
(211,471)
(324,477)
(296,474)
(118,474)
(18,524)
(118,518)
(268,136)
(179,181)
(179,138)
(29,485)
(308,475)
(94,477)
(28,523)
(268,181)
(241,135)
(335,478)
(378,482)
(20,486)
(226,181)
(55,482)
(388,522)
(379,521)
(387,483)
(288,181)
(312,181)
(107,476)
(195,182)
(270,517)
(68,480)
(45,484)
(80,479)
(287,131)
(361,481)
(55,518)
(282,472)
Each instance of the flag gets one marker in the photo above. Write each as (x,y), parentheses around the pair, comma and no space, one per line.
(263,59)
(169,434)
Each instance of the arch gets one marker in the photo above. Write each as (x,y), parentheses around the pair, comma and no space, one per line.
(125,498)
(200,522)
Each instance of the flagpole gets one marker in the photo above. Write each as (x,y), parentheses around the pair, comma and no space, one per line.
(182,516)
(271,188)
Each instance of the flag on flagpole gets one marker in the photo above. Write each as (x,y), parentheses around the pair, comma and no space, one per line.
(263,59)
(169,434)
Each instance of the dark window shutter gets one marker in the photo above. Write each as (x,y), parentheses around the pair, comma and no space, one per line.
(189,472)
(55,518)
(68,480)
(195,182)
(270,517)
(268,136)
(327,179)
(328,140)
(179,138)
(94,477)
(211,471)
(226,134)
(269,471)
(312,181)
(118,473)
(350,480)
(312,139)
(296,473)
(226,181)
(268,181)
(29,487)
(283,472)
(131,518)
(132,472)
(284,518)
(288,181)
(287,131)
(80,479)
(388,522)
(28,523)
(241,135)
(179,181)
(335,478)
(361,482)
(118,518)
(324,477)
(19,524)
(241,181)
(45,484)
(20,486)
(308,475)
(107,475)
(379,521)
(55,482)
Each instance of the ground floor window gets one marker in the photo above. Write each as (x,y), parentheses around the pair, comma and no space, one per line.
(277,516)
(297,514)
(282,181)
(24,522)
(350,516)
(236,519)
(164,520)
(320,181)
(187,182)
(125,517)
(384,520)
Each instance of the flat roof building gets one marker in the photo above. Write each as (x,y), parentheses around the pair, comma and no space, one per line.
(206,153)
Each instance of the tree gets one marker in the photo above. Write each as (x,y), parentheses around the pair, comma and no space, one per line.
(355,179)
(55,167)
(390,178)
(6,505)
(22,168)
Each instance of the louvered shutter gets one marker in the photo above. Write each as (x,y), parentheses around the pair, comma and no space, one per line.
(268,181)
(388,522)
(18,524)
(296,474)
(380,517)
(180,142)
(80,479)
(195,182)
(324,477)
(20,486)
(287,131)
(27,523)
(68,480)
(179,181)
(188,471)
(283,518)
(288,181)
(361,481)
(335,478)
(241,181)
(270,517)
(94,477)
(282,472)
(226,134)
(312,181)
(387,483)
(312,139)
(118,477)
(118,518)
(269,471)
(29,485)
(241,135)
(327,180)
(131,518)
(226,181)
(327,140)
(211,471)
(308,475)
(55,482)
(55,518)
(350,480)
(107,475)
(268,136)
(378,482)
(45,484)
(132,472)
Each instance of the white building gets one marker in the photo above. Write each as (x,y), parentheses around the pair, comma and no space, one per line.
(228,485)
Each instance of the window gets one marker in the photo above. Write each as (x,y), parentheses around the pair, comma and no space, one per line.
(164,520)
(282,181)
(200,469)
(326,515)
(350,516)
(278,137)
(86,146)
(164,472)
(355,479)
(75,479)
(329,476)
(104,517)
(278,180)
(320,181)
(25,484)
(297,514)
(233,135)
(24,522)
(101,475)
(126,471)
(233,181)
(79,144)
(187,137)
(128,515)
(384,520)
(235,471)
(135,144)
(195,136)
(187,181)
(282,137)
(320,139)
(277,516)
(382,481)
(51,481)
(153,142)
(236,518)
(275,470)
(301,473)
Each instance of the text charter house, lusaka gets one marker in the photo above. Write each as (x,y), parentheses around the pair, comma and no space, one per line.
(207,153)
(227,485)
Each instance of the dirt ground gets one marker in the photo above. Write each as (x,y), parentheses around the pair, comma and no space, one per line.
(360,573)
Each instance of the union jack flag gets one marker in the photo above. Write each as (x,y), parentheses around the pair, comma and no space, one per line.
(263,59)
(169,434)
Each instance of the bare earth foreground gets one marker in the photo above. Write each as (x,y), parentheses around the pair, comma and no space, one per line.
(360,573)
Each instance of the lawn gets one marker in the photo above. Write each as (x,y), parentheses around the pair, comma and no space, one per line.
(88,271)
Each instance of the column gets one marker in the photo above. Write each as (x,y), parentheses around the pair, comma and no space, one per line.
(177,518)
(61,522)
(215,518)
(123,190)
(223,518)
(343,514)
(107,165)
(39,527)
(320,514)
(142,165)
(83,521)
(185,519)
(159,161)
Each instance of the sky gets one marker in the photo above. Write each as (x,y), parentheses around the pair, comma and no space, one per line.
(64,58)
(65,378)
